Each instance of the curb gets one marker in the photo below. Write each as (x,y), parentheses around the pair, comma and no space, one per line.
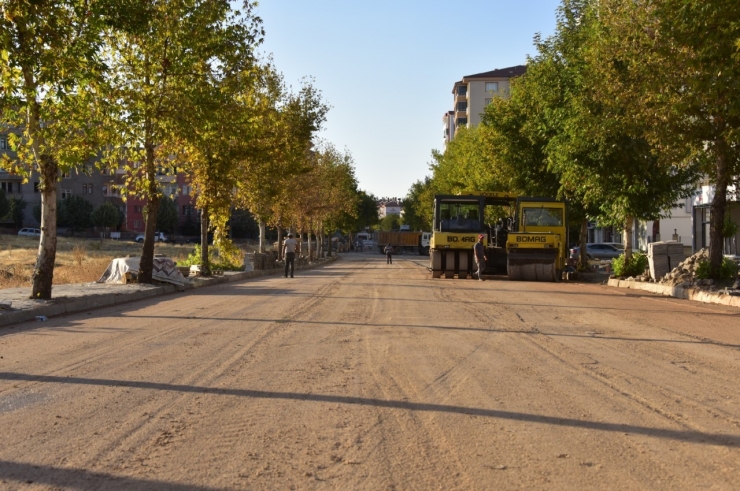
(692,294)
(99,301)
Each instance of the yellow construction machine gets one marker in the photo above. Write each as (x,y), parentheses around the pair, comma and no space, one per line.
(530,244)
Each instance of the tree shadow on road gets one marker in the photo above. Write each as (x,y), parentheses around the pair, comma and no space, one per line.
(692,436)
(25,473)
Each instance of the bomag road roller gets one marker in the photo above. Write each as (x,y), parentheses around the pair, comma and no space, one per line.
(536,248)
(529,244)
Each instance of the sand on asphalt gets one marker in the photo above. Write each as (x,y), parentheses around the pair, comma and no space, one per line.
(362,375)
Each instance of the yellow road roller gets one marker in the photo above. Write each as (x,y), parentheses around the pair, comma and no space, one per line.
(529,243)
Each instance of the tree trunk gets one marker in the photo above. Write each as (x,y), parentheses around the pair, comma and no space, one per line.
(146,264)
(629,223)
(43,273)
(328,245)
(310,246)
(205,263)
(718,208)
(280,242)
(263,230)
(320,244)
(582,248)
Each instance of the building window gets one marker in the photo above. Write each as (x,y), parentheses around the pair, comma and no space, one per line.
(461,122)
(36,187)
(88,169)
(65,175)
(137,223)
(188,210)
(87,188)
(488,101)
(8,187)
(462,106)
(137,209)
(462,90)
(491,86)
(66,193)
(3,142)
(185,190)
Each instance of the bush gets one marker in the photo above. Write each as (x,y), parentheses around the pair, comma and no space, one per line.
(229,259)
(727,271)
(635,267)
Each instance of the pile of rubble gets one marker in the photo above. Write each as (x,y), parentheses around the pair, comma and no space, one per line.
(685,272)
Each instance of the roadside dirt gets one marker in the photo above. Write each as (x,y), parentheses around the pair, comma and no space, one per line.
(362,375)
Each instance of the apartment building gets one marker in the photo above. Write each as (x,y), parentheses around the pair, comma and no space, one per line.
(97,186)
(474,92)
(94,185)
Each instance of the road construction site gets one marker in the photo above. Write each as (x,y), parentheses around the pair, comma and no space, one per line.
(362,375)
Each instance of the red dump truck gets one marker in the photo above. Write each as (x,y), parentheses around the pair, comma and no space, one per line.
(403,241)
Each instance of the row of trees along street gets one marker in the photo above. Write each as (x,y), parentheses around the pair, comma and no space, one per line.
(161,87)
(621,111)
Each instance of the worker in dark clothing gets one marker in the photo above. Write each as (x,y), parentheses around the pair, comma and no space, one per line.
(479,253)
(289,249)
(389,254)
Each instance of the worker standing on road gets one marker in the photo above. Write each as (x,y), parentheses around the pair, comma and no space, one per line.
(479,252)
(389,254)
(289,248)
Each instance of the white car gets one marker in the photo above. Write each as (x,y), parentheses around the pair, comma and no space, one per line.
(30,232)
(158,237)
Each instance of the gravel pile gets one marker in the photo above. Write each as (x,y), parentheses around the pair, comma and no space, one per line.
(685,272)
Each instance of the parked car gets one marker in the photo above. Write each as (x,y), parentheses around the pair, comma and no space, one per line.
(598,251)
(158,237)
(618,245)
(30,232)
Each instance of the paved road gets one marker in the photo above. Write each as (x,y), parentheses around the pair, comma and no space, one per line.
(361,375)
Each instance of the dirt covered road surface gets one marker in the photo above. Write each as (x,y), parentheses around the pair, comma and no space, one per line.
(362,375)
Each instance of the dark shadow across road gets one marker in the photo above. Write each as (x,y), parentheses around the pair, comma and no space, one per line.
(717,439)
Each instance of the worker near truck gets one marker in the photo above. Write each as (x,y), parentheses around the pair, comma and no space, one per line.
(479,253)
(389,254)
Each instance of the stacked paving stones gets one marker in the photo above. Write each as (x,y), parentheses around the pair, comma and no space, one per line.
(260,261)
(664,257)
(685,272)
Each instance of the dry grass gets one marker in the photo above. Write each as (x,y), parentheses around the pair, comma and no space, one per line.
(77,261)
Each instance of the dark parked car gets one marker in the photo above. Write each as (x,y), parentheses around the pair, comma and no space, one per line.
(598,251)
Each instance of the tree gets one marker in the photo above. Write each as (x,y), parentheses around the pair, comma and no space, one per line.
(16,213)
(4,204)
(106,215)
(672,67)
(77,212)
(157,65)
(367,211)
(413,205)
(243,224)
(167,215)
(390,222)
(49,69)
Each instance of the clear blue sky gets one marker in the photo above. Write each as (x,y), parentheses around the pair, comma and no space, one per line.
(387,68)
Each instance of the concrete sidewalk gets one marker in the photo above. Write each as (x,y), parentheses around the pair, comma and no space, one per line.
(693,294)
(79,297)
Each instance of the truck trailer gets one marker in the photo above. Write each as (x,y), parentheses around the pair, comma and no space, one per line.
(403,241)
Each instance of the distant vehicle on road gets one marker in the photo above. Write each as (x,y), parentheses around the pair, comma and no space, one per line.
(29,232)
(598,251)
(158,237)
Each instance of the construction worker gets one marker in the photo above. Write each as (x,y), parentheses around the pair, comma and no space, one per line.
(289,250)
(479,253)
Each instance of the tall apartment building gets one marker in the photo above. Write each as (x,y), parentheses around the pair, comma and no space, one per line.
(474,92)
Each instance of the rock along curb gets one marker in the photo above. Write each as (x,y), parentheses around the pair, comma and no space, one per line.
(678,292)
(99,301)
